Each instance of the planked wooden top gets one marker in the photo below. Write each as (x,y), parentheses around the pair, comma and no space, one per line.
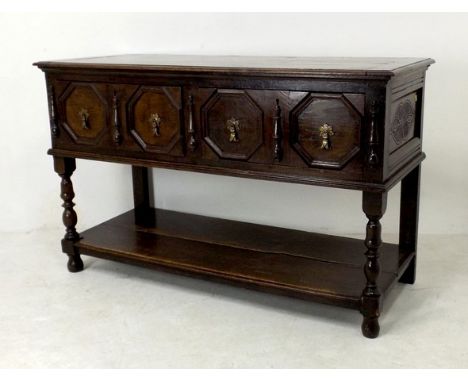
(258,65)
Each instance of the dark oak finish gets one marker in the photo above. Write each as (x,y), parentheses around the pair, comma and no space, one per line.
(278,133)
(65,167)
(356,67)
(409,216)
(353,123)
(116,136)
(342,113)
(142,194)
(154,114)
(374,205)
(315,267)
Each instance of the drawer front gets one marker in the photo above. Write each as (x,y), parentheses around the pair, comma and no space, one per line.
(121,116)
(297,129)
(326,128)
(155,118)
(288,131)
(84,112)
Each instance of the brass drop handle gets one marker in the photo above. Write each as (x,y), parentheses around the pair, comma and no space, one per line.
(233,127)
(84,115)
(325,132)
(155,121)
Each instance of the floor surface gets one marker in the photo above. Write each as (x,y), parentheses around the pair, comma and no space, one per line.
(120,316)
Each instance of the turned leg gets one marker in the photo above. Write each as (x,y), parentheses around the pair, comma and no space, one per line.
(143,195)
(65,167)
(409,214)
(373,205)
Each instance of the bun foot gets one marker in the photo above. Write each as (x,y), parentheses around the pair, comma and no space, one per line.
(370,327)
(75,264)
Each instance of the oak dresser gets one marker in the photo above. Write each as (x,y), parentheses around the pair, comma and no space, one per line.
(352,123)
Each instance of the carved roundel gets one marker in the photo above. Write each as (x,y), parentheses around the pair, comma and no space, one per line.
(403,121)
(85,113)
(232,124)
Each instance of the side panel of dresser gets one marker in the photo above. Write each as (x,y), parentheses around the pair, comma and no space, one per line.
(404,120)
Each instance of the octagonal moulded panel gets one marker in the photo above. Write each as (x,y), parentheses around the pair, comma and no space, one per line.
(232,124)
(155,117)
(326,128)
(85,113)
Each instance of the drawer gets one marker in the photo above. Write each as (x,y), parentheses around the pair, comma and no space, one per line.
(318,130)
(145,118)
(311,129)
(326,128)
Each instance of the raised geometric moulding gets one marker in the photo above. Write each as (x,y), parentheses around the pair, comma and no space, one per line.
(326,128)
(232,124)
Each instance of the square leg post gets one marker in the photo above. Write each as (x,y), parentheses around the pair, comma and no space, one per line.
(143,195)
(409,216)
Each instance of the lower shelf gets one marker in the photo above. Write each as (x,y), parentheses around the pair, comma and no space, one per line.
(318,267)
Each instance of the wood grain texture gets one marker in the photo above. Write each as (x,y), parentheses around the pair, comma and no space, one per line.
(290,176)
(232,124)
(344,120)
(321,267)
(258,65)
(84,112)
(154,118)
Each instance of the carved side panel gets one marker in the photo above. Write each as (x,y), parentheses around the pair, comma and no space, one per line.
(403,118)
